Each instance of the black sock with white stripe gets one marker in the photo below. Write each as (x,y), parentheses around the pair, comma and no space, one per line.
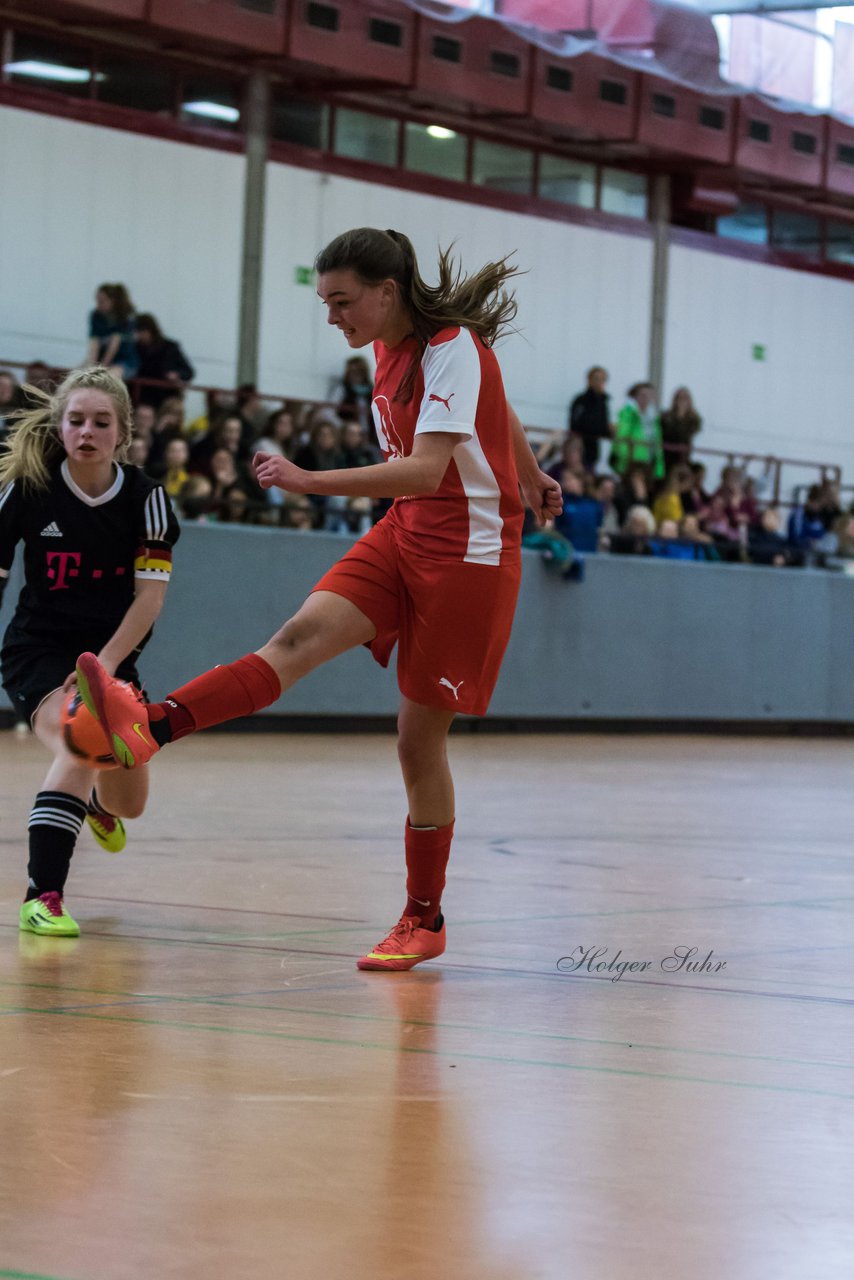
(95,807)
(55,824)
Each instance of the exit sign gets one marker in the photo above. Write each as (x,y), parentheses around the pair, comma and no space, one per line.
(759,352)
(303,275)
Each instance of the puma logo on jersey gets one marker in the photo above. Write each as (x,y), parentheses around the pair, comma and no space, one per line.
(453,687)
(51,531)
(440,400)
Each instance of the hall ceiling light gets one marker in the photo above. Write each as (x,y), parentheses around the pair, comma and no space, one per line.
(213,111)
(439,131)
(51,71)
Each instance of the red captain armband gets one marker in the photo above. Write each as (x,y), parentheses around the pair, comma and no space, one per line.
(153,562)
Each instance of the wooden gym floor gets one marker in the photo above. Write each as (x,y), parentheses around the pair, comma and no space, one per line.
(203,1085)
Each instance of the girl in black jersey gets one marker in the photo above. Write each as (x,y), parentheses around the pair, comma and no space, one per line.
(97,540)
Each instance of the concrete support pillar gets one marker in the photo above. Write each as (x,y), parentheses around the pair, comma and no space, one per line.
(256,116)
(661,252)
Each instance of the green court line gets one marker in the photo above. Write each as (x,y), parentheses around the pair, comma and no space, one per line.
(25,1275)
(501,1059)
(235,1002)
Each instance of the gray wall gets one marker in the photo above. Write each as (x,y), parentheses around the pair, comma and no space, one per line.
(638,639)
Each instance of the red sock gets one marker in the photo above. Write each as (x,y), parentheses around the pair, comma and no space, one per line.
(238,689)
(427,853)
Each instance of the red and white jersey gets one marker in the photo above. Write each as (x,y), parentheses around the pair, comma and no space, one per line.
(476,513)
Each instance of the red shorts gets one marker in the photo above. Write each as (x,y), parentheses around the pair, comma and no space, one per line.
(451,619)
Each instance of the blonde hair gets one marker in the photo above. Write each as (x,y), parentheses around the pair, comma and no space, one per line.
(478,302)
(35,442)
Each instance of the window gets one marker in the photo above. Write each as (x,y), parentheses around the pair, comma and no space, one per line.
(749,223)
(623,193)
(142,85)
(796,233)
(844,153)
(47,64)
(759,130)
(505,64)
(712,118)
(569,181)
(209,101)
(613,91)
(435,150)
(362,136)
(447,50)
(503,168)
(324,17)
(382,32)
(559,78)
(805,143)
(664,104)
(304,123)
(840,242)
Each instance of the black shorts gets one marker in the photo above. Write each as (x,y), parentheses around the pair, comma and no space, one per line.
(32,670)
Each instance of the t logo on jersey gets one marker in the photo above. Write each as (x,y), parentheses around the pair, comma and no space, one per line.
(387,429)
(64,560)
(440,400)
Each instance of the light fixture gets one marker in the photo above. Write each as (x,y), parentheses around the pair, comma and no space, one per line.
(439,131)
(51,71)
(212,111)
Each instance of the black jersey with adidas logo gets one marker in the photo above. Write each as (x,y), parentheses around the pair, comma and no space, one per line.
(82,554)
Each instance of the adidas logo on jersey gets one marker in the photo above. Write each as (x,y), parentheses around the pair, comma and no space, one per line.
(52,531)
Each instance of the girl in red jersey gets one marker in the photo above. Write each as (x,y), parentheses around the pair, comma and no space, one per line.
(439,575)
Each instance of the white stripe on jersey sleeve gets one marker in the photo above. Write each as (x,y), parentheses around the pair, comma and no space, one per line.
(5,494)
(156,523)
(451,386)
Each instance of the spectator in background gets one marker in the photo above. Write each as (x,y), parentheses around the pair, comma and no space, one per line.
(589,417)
(767,545)
(633,538)
(679,424)
(356,449)
(571,459)
(581,516)
(323,451)
(831,508)
(356,389)
(632,491)
(175,463)
(194,500)
(168,424)
(604,491)
(638,433)
(251,410)
(11,400)
(160,359)
(669,546)
(280,435)
(144,419)
(218,403)
(299,513)
(138,452)
(112,340)
(225,434)
(695,500)
(806,526)
(668,505)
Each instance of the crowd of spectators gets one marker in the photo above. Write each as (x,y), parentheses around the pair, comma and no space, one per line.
(656,501)
(647,496)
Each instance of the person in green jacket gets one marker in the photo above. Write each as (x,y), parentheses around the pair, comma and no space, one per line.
(638,434)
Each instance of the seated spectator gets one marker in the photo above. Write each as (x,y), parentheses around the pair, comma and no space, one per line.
(679,424)
(356,389)
(556,552)
(323,453)
(144,418)
(11,400)
(581,516)
(279,435)
(251,410)
(604,491)
(668,543)
(690,531)
(42,377)
(695,500)
(590,417)
(571,459)
(766,543)
(844,550)
(138,451)
(668,503)
(175,472)
(300,513)
(168,425)
(356,449)
(112,336)
(633,538)
(638,433)
(224,476)
(831,508)
(195,499)
(806,527)
(225,434)
(632,491)
(218,405)
(235,507)
(160,359)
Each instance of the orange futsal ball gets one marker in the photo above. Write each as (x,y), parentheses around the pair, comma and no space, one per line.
(83,736)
